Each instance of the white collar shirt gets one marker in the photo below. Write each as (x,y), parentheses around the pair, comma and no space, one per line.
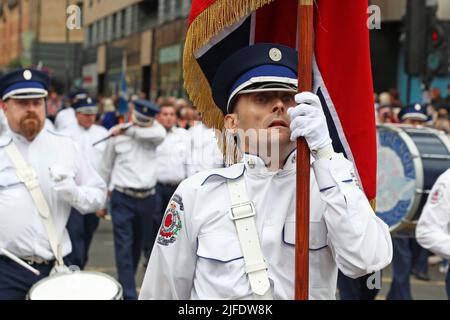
(173,156)
(205,153)
(197,253)
(433,227)
(86,138)
(21,229)
(129,160)
(65,119)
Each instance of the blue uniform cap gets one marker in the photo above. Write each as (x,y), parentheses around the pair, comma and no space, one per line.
(414,111)
(86,106)
(261,67)
(144,111)
(78,94)
(24,84)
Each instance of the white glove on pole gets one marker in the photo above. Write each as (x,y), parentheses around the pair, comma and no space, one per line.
(308,121)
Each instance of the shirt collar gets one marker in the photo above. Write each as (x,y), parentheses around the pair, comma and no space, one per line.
(21,139)
(254,163)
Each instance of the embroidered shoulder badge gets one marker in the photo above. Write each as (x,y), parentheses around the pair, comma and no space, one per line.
(438,195)
(171,224)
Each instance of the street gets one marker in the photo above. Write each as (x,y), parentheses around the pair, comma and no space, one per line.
(101,259)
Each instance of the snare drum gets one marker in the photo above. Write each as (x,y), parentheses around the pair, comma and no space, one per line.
(409,162)
(79,285)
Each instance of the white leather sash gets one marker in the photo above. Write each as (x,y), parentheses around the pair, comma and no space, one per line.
(242,212)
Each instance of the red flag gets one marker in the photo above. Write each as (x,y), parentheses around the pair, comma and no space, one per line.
(342,70)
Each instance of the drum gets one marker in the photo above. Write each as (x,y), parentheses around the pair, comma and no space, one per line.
(79,285)
(410,159)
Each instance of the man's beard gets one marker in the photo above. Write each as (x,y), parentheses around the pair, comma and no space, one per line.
(30,126)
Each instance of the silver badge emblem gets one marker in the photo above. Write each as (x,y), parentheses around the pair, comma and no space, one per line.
(27,75)
(89,100)
(275,54)
(251,164)
(145,110)
(417,107)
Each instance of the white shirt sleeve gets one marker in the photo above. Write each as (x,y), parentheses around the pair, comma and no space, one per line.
(360,241)
(91,187)
(154,134)
(433,228)
(171,268)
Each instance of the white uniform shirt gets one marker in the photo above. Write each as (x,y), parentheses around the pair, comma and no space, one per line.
(173,156)
(65,119)
(21,229)
(433,228)
(85,139)
(129,160)
(201,258)
(205,153)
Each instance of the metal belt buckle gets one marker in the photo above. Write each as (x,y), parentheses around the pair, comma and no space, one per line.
(242,210)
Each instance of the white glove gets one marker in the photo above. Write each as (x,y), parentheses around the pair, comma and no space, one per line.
(67,190)
(308,121)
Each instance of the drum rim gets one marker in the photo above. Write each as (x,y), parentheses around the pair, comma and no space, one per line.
(418,168)
(118,295)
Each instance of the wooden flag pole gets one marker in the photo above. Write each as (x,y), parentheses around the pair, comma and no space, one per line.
(305,50)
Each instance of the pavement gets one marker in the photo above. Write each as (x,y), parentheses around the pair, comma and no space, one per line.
(101,259)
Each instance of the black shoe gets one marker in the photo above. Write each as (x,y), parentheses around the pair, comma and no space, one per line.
(422,276)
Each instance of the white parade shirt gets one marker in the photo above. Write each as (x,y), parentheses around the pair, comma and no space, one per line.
(86,138)
(21,229)
(173,156)
(129,160)
(433,228)
(65,118)
(205,153)
(197,254)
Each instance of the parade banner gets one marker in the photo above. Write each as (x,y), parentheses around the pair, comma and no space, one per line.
(341,68)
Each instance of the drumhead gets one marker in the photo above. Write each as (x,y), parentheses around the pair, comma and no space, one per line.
(399,175)
(80,285)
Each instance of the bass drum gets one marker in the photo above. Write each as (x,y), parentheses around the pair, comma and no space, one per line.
(410,159)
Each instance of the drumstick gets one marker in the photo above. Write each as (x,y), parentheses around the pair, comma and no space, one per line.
(19,261)
(125,128)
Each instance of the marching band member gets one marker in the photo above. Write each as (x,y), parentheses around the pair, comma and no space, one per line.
(433,228)
(409,258)
(129,165)
(66,118)
(81,227)
(42,175)
(219,220)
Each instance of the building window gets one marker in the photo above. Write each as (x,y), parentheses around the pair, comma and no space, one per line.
(109,28)
(101,31)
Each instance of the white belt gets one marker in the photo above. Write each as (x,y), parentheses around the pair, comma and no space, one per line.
(242,212)
(28,176)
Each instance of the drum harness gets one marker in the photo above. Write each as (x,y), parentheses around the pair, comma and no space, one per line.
(242,212)
(28,176)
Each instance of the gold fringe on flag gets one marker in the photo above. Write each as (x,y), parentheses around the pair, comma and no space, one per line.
(219,15)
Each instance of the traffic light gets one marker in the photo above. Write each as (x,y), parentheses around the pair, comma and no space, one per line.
(437,61)
(416,19)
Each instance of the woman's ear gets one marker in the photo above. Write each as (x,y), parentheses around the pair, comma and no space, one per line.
(231,122)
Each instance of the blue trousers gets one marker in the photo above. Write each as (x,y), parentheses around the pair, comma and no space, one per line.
(163,195)
(407,254)
(447,284)
(16,281)
(81,230)
(130,218)
(355,289)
